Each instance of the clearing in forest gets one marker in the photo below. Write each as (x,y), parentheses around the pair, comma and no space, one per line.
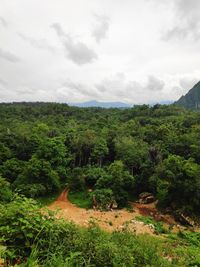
(109,220)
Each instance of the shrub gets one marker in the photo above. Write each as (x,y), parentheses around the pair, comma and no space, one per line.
(104,197)
(159,228)
(5,191)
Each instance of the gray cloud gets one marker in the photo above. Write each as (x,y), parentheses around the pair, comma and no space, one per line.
(25,90)
(40,44)
(187,21)
(121,86)
(125,90)
(116,84)
(76,51)
(154,84)
(101,28)
(8,56)
(3,22)
(81,88)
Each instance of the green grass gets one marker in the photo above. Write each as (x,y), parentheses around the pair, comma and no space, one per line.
(81,199)
(159,228)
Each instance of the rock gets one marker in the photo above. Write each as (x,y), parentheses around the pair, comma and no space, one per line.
(144,195)
(149,199)
(185,220)
(146,198)
(151,226)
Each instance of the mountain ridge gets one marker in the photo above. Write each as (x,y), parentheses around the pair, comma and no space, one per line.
(191,99)
(112,104)
(95,103)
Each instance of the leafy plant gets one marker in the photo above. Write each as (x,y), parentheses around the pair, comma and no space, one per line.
(158,226)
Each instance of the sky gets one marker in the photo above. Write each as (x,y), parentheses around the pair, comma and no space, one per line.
(133,51)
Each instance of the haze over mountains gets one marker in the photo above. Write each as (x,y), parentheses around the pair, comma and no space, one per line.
(95,103)
(190,100)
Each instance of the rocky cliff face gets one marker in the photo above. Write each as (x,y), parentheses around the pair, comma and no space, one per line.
(191,99)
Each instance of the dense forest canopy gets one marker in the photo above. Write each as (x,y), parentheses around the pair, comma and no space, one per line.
(118,153)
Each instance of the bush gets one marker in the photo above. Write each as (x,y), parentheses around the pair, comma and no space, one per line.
(104,197)
(23,226)
(32,190)
(159,228)
(5,190)
(38,239)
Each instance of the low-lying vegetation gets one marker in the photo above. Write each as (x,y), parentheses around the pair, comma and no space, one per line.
(32,238)
(82,199)
(106,157)
(158,226)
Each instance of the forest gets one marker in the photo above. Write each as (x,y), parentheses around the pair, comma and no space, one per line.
(116,154)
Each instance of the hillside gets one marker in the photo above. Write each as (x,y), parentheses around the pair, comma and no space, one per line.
(191,99)
(99,104)
(134,170)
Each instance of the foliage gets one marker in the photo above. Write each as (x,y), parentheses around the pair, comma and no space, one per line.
(5,190)
(154,149)
(177,182)
(45,241)
(93,174)
(158,226)
(38,172)
(104,197)
(77,180)
(80,198)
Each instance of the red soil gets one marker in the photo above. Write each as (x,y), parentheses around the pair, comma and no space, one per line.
(109,220)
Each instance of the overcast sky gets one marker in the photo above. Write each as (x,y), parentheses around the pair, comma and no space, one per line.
(134,51)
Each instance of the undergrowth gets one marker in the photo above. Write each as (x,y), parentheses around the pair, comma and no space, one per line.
(31,238)
(158,226)
(80,198)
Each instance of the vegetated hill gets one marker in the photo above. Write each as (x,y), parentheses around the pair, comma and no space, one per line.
(191,99)
(95,103)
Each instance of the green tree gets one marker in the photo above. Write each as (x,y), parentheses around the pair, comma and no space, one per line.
(100,150)
(5,153)
(39,172)
(104,197)
(177,182)
(11,168)
(132,152)
(5,190)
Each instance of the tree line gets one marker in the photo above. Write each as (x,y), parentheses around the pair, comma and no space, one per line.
(118,153)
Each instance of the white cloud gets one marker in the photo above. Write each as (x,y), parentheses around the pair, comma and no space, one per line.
(187,21)
(117,55)
(8,56)
(40,43)
(101,27)
(130,90)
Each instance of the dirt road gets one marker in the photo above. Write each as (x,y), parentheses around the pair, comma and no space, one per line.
(108,220)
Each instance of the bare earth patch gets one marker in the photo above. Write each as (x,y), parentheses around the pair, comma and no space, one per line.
(108,220)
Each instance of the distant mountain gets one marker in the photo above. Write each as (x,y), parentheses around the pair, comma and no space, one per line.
(95,103)
(191,99)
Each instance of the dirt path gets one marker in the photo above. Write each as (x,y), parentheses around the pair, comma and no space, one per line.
(108,220)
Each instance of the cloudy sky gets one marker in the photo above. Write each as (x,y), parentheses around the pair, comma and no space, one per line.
(135,51)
